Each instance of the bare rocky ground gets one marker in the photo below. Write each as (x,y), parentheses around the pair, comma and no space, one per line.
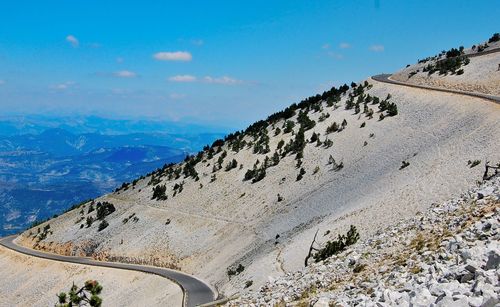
(30,281)
(217,223)
(448,255)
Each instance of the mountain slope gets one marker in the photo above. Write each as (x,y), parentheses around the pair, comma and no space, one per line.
(215,220)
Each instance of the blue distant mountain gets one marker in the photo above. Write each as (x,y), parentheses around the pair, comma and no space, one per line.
(44,172)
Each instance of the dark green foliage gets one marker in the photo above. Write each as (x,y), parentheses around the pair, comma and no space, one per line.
(87,295)
(248,283)
(102,225)
(159,192)
(104,209)
(448,65)
(453,52)
(494,38)
(280,144)
(334,127)
(235,271)
(261,145)
(301,174)
(392,109)
(473,163)
(89,221)
(259,174)
(363,124)
(314,137)
(276,158)
(91,208)
(404,164)
(305,122)
(299,144)
(323,116)
(231,165)
(336,246)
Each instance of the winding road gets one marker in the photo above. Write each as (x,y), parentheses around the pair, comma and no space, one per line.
(196,292)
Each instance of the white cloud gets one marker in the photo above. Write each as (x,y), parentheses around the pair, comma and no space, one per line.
(344,45)
(125,74)
(182,78)
(176,96)
(326,46)
(222,80)
(73,41)
(173,56)
(377,48)
(62,86)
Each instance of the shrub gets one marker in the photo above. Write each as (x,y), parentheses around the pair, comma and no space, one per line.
(87,295)
(248,283)
(159,192)
(89,221)
(301,174)
(392,109)
(102,225)
(334,127)
(473,163)
(404,164)
(104,209)
(494,38)
(289,126)
(231,165)
(336,246)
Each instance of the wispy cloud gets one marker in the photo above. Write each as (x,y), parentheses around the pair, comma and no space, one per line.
(125,74)
(344,45)
(222,80)
(73,41)
(173,56)
(119,60)
(326,46)
(377,48)
(182,78)
(62,86)
(2,82)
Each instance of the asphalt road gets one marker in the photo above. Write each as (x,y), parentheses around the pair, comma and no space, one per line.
(195,291)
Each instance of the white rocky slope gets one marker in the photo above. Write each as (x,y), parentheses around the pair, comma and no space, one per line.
(226,221)
(480,75)
(447,256)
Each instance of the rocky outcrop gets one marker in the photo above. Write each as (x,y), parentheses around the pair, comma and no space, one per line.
(447,256)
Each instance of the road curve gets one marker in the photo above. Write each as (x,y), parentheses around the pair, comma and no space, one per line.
(196,292)
(386,79)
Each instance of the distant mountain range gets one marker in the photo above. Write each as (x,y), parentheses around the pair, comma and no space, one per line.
(44,172)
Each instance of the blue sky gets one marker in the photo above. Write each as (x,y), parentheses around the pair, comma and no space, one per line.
(224,62)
